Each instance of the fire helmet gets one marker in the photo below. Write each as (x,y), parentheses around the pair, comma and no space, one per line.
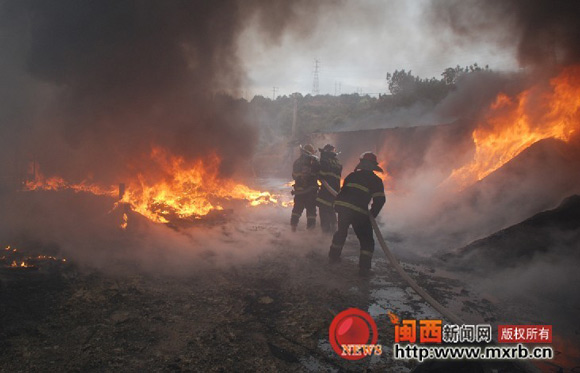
(328,148)
(308,149)
(368,161)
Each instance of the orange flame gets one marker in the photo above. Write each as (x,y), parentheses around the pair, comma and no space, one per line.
(189,189)
(21,265)
(385,176)
(394,318)
(56,183)
(29,261)
(513,125)
(185,189)
(125,222)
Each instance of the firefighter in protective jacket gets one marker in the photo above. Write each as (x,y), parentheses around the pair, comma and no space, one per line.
(351,204)
(330,171)
(305,175)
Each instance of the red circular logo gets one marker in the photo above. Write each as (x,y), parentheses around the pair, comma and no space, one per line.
(352,327)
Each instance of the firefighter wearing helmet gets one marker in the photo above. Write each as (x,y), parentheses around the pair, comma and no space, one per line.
(305,175)
(329,175)
(359,188)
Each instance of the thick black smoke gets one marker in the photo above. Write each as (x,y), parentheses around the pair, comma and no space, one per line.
(89,88)
(120,77)
(545,32)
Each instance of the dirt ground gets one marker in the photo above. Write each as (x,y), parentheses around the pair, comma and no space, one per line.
(266,316)
(272,314)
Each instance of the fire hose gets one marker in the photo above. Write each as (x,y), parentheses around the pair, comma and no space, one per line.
(304,191)
(526,365)
(395,263)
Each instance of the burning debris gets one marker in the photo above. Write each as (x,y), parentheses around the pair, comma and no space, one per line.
(15,260)
(136,119)
(125,222)
(56,183)
(512,125)
(186,190)
(179,190)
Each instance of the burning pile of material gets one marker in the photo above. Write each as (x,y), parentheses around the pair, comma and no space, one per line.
(513,124)
(187,190)
(178,190)
(147,101)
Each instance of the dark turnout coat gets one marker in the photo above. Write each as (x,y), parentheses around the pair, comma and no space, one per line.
(330,171)
(305,174)
(358,189)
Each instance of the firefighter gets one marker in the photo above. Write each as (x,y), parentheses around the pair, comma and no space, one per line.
(330,171)
(305,175)
(351,204)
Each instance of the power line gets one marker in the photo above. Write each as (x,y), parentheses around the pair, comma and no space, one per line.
(315,82)
(337,88)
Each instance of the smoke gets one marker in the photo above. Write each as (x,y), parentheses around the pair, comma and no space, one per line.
(122,77)
(544,33)
(90,88)
(433,216)
(531,263)
(543,287)
(85,230)
(545,36)
(425,211)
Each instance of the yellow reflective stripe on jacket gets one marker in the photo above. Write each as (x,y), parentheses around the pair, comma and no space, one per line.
(378,194)
(325,173)
(351,206)
(324,202)
(366,252)
(358,186)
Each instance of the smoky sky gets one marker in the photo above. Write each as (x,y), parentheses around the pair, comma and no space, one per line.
(358,42)
(95,85)
(543,32)
(89,87)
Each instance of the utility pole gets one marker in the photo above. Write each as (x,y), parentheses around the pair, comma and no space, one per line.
(274,89)
(293,142)
(294,116)
(315,83)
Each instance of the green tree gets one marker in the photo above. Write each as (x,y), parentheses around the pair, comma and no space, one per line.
(407,89)
(401,82)
(451,75)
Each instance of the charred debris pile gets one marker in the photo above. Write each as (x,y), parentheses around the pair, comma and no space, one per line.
(552,232)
